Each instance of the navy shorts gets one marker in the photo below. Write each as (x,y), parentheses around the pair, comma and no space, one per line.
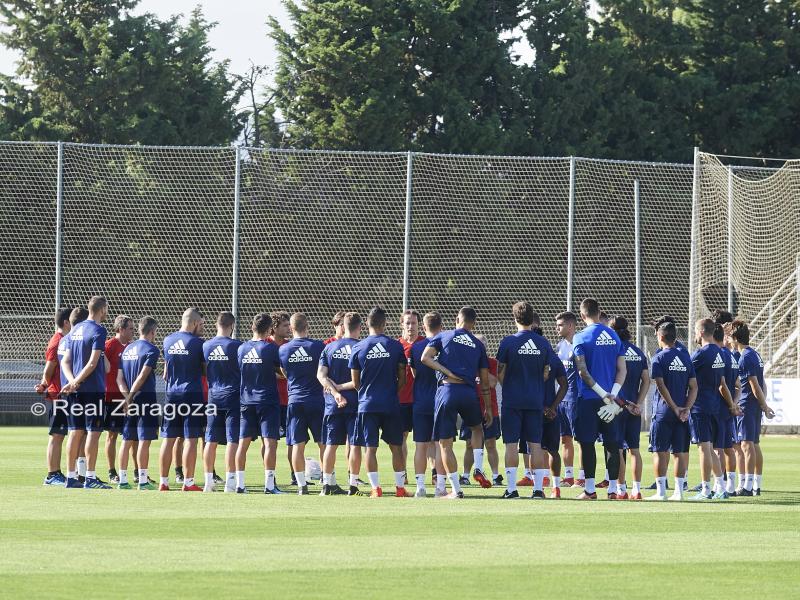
(57,417)
(85,411)
(113,416)
(339,428)
(630,430)
(284,410)
(379,425)
(184,416)
(302,418)
(748,426)
(726,433)
(703,427)
(423,426)
(492,432)
(588,426)
(522,425)
(259,420)
(141,426)
(551,434)
(453,400)
(223,427)
(566,418)
(668,434)
(407,417)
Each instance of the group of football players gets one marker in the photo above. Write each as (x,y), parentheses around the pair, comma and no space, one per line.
(352,391)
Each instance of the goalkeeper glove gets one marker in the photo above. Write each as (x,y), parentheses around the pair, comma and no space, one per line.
(608,412)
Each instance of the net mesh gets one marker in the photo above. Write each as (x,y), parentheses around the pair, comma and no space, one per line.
(764,250)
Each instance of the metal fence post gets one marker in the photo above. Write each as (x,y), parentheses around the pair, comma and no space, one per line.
(797,323)
(236,203)
(637,220)
(730,239)
(693,271)
(570,231)
(59,222)
(407,237)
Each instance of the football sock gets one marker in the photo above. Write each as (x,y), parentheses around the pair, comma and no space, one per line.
(568,472)
(741,480)
(440,482)
(454,482)
(637,487)
(757,482)
(189,481)
(209,479)
(538,478)
(605,475)
(731,486)
(719,484)
(373,479)
(142,475)
(240,479)
(748,482)
(581,474)
(612,486)
(164,480)
(679,485)
(477,456)
(269,478)
(123,476)
(495,475)
(589,488)
(301,478)
(72,474)
(661,486)
(230,480)
(529,474)
(465,474)
(420,481)
(353,479)
(326,479)
(555,481)
(333,477)
(511,478)
(91,475)
(622,488)
(81,466)
(705,488)
(400,479)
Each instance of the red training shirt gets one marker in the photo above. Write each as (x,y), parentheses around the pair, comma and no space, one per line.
(492,391)
(283,385)
(406,393)
(51,353)
(114,349)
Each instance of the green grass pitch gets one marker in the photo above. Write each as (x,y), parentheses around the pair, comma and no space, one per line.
(66,543)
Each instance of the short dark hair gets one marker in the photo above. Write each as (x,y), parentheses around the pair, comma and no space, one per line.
(620,325)
(590,307)
(262,323)
(121,322)
(96,303)
(299,322)
(351,321)
(740,332)
(719,333)
(226,319)
(707,327)
(537,330)
(338,318)
(722,316)
(78,314)
(468,314)
(147,325)
(665,319)
(278,317)
(668,332)
(433,320)
(62,316)
(410,311)
(376,317)
(567,316)
(523,313)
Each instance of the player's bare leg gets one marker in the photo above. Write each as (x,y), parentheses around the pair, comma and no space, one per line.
(490,446)
(420,464)
(450,465)
(660,465)
(241,463)
(270,461)
(165,461)
(189,461)
(111,450)
(299,467)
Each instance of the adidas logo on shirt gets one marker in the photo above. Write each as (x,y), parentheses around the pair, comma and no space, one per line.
(718,363)
(464,340)
(218,354)
(130,354)
(632,356)
(378,351)
(605,340)
(299,355)
(343,353)
(529,348)
(677,365)
(252,357)
(178,348)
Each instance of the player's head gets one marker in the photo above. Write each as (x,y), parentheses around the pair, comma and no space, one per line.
(299,324)
(123,327)
(62,319)
(192,321)
(466,318)
(665,319)
(603,318)
(337,322)
(352,324)
(523,313)
(740,333)
(620,325)
(262,325)
(566,324)
(225,323)
(667,334)
(409,324)
(281,327)
(376,320)
(536,326)
(78,315)
(590,310)
(719,335)
(722,316)
(147,328)
(433,323)
(98,308)
(704,330)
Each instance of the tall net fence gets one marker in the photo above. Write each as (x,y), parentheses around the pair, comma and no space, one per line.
(158,229)
(747,252)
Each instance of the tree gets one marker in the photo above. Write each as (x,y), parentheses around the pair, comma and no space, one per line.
(95,73)
(260,128)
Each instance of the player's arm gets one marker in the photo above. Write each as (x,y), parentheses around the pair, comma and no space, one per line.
(429,360)
(94,360)
(107,366)
(122,384)
(691,397)
(561,380)
(667,397)
(401,376)
(328,384)
(760,396)
(486,394)
(501,372)
(355,378)
(737,390)
(644,387)
(47,375)
(726,396)
(583,372)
